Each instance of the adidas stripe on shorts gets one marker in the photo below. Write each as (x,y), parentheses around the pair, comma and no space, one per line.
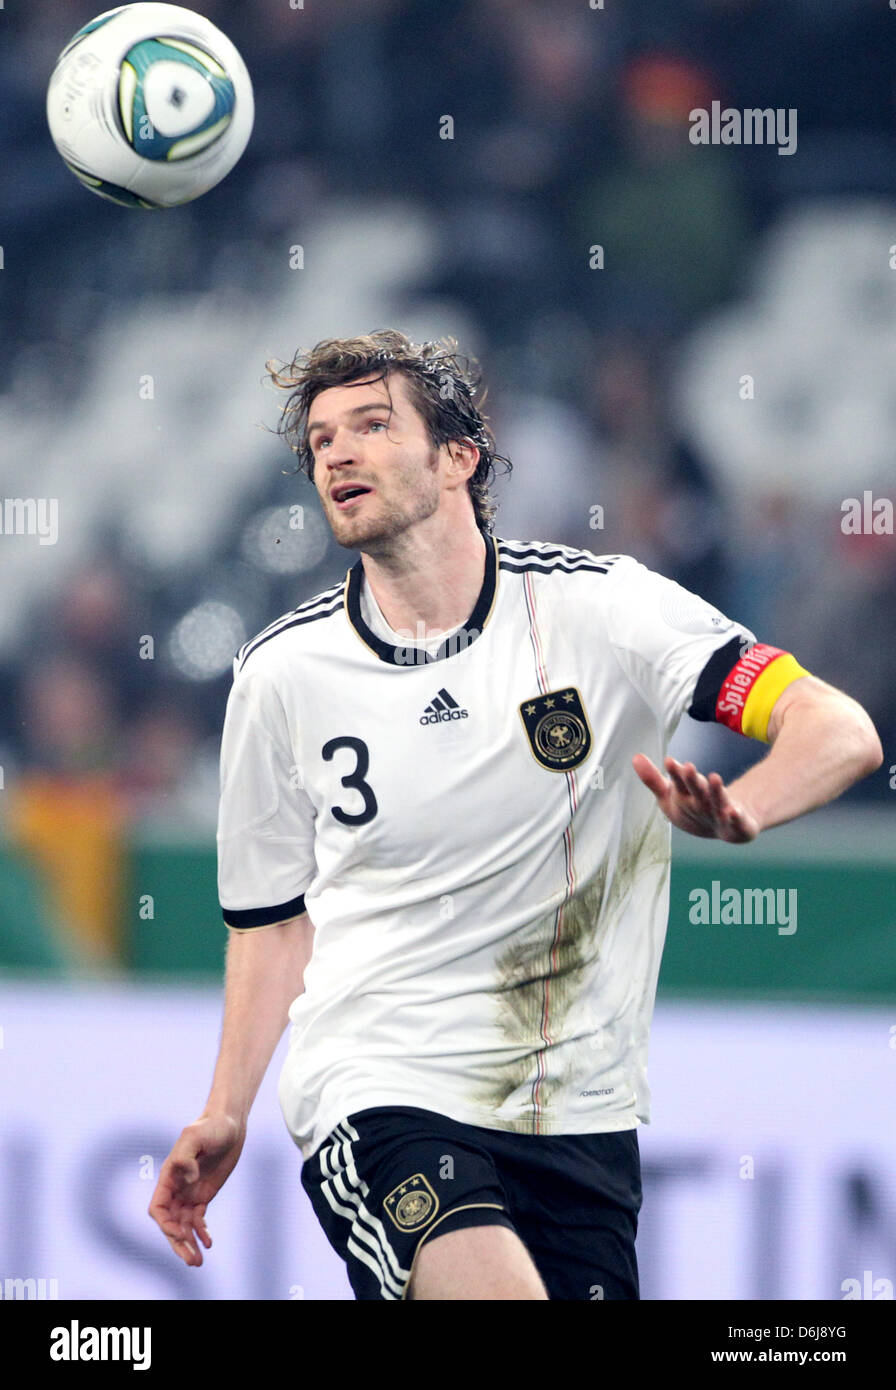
(388,1179)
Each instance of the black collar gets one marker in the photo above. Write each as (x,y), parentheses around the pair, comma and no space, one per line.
(417,656)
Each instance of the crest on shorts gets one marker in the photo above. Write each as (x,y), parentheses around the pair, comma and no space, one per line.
(558,729)
(412,1203)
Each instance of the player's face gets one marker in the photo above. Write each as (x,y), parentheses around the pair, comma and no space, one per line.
(376,470)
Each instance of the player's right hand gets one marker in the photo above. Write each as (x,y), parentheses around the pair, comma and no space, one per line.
(197,1167)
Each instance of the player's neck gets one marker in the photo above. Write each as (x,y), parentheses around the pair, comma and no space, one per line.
(431,581)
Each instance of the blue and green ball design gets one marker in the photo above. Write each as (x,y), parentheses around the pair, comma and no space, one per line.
(136,122)
(113,191)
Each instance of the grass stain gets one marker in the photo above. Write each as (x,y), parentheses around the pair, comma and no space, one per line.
(533,962)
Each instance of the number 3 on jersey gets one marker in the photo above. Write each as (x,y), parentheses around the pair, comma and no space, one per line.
(354,778)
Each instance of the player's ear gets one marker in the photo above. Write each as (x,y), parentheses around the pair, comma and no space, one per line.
(464,458)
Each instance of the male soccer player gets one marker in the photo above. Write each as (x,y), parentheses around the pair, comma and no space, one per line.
(444,853)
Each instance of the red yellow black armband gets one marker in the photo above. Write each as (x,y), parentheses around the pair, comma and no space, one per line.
(748,693)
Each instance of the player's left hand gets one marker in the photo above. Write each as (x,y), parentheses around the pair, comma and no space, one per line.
(700,805)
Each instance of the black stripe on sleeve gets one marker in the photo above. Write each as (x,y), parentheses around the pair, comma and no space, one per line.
(263,916)
(706,692)
(552,567)
(335,607)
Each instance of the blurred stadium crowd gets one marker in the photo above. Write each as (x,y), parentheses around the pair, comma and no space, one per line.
(570,131)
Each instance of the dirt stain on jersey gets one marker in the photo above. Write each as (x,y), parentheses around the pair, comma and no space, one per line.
(534,965)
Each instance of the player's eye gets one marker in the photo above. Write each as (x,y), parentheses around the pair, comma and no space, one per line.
(381,423)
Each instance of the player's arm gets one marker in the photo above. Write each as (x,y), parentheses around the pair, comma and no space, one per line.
(822,741)
(265,860)
(265,864)
(265,970)
(265,973)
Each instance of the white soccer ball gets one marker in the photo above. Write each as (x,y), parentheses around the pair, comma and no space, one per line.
(150,105)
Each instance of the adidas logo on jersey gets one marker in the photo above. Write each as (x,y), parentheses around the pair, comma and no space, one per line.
(442,709)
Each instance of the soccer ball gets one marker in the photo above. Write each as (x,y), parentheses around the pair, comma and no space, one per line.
(150,105)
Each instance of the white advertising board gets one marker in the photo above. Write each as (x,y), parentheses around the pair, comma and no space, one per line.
(769,1168)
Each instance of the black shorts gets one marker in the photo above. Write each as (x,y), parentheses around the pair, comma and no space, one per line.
(389,1178)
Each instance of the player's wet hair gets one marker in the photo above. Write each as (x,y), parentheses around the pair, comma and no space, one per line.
(443,386)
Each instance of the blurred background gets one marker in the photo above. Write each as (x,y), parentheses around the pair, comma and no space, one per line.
(691,357)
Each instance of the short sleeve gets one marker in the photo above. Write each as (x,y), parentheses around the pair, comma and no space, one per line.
(664,636)
(265,818)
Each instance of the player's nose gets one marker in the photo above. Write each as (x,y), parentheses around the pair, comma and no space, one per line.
(342,449)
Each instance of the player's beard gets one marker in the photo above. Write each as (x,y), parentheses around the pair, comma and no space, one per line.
(380,535)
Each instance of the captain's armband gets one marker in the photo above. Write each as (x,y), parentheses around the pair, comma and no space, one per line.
(740,687)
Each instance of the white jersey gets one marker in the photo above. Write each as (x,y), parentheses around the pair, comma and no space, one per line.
(486,874)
